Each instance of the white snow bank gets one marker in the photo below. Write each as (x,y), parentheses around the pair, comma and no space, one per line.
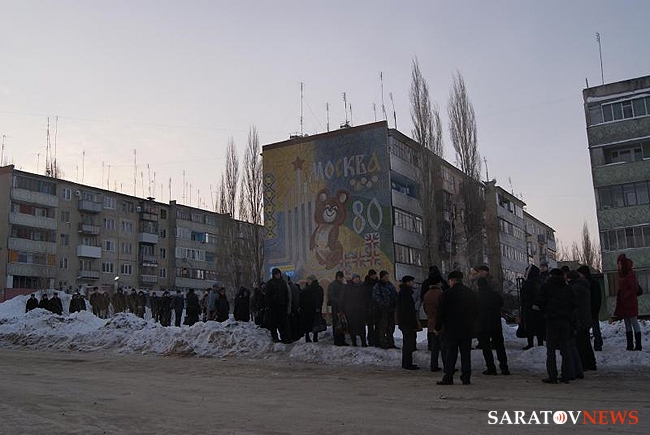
(126,333)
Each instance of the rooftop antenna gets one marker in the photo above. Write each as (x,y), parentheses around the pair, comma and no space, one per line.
(374,110)
(345,106)
(327,109)
(148,179)
(38,161)
(184,184)
(2,155)
(47,150)
(351,122)
(198,198)
(381,81)
(108,178)
(135,172)
(102,183)
(190,201)
(511,189)
(55,170)
(394,113)
(600,51)
(142,181)
(170,188)
(212,199)
(154,185)
(301,100)
(83,165)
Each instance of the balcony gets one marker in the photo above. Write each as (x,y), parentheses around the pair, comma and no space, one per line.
(39,198)
(88,274)
(32,221)
(148,260)
(27,269)
(31,246)
(148,238)
(148,279)
(405,202)
(88,229)
(89,206)
(89,251)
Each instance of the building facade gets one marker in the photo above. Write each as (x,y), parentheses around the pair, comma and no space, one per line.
(540,242)
(618,133)
(354,199)
(58,234)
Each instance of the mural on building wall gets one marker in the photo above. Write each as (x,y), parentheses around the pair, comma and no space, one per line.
(327,205)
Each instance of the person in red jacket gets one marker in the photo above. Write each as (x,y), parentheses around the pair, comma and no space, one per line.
(627,305)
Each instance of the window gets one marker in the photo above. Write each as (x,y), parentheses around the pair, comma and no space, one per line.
(408,255)
(63,263)
(163,233)
(127,248)
(65,216)
(162,272)
(127,207)
(109,224)
(408,221)
(110,202)
(624,195)
(163,253)
(625,238)
(163,214)
(127,227)
(108,267)
(631,108)
(403,151)
(66,194)
(35,185)
(628,153)
(65,239)
(109,245)
(126,269)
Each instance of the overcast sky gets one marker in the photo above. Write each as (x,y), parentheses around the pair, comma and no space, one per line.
(175,80)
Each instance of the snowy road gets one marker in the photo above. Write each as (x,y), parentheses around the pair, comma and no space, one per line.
(46,392)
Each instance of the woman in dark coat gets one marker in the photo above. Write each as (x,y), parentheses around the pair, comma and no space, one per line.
(242,311)
(533,319)
(311,305)
(627,305)
(192,308)
(223,306)
(354,307)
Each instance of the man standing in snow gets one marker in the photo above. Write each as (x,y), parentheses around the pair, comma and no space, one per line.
(384,297)
(455,320)
(56,306)
(277,299)
(408,321)
(489,327)
(334,298)
(178,304)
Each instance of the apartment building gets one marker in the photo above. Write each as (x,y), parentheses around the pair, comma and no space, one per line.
(618,133)
(58,234)
(540,241)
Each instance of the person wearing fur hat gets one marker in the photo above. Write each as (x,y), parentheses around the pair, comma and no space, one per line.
(627,305)
(408,321)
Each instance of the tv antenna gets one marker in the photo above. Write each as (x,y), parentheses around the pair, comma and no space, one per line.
(394,113)
(600,52)
(301,103)
(2,154)
(381,81)
(374,110)
(327,109)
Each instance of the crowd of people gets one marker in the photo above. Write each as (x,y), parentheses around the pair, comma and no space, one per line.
(559,308)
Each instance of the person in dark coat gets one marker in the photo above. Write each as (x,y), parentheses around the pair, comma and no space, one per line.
(295,327)
(434,277)
(178,303)
(334,298)
(56,306)
(192,308)
(627,305)
(140,304)
(431,304)
(44,303)
(582,298)
(154,304)
(457,313)
(596,298)
(384,297)
(32,303)
(242,310)
(258,304)
(311,305)
(276,306)
(371,312)
(223,306)
(408,321)
(543,272)
(533,319)
(489,327)
(166,309)
(354,307)
(556,301)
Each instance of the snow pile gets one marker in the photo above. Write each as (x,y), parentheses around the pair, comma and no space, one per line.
(126,333)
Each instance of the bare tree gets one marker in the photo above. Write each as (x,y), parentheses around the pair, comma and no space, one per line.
(252,200)
(427,129)
(222,205)
(427,132)
(463,128)
(586,251)
(231,178)
(462,131)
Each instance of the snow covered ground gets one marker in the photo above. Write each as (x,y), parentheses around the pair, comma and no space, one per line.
(126,333)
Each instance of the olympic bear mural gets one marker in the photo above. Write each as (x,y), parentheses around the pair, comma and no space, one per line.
(329,215)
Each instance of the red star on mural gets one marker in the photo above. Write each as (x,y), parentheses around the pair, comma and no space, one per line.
(297,164)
